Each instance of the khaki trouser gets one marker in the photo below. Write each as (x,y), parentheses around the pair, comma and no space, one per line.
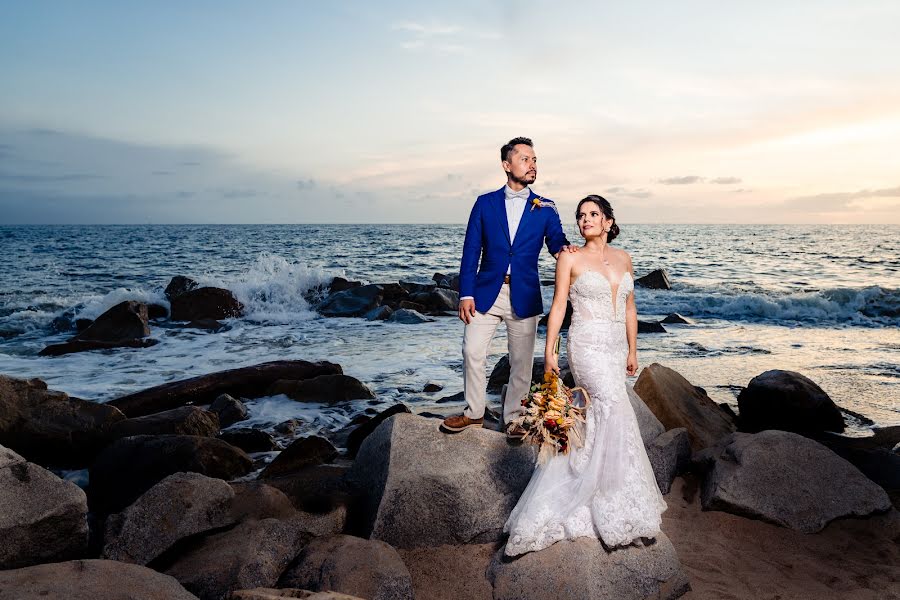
(476,340)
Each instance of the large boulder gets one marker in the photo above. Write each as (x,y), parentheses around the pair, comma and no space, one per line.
(318,489)
(408,316)
(669,454)
(179,506)
(244,382)
(230,410)
(351,565)
(205,303)
(132,465)
(123,325)
(303,452)
(324,388)
(185,420)
(279,593)
(786,479)
(426,488)
(649,425)
(49,427)
(658,279)
(353,302)
(89,580)
(179,285)
(583,569)
(42,517)
(356,437)
(788,401)
(677,403)
(253,554)
(250,440)
(73,346)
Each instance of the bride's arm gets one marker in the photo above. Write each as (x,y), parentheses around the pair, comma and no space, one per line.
(558,309)
(631,325)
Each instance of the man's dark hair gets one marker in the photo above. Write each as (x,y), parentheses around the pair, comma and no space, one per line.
(509,146)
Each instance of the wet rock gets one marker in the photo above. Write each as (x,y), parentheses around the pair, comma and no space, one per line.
(356,437)
(320,489)
(788,401)
(675,318)
(249,440)
(303,452)
(185,420)
(444,299)
(583,569)
(132,465)
(244,382)
(432,387)
(350,565)
(74,346)
(179,506)
(500,373)
(256,500)
(407,316)
(278,593)
(676,403)
(229,409)
(567,319)
(89,580)
(288,428)
(379,313)
(253,554)
(209,325)
(49,427)
(415,288)
(415,496)
(124,321)
(414,306)
(669,454)
(157,311)
(786,479)
(352,302)
(205,303)
(458,397)
(42,517)
(179,285)
(657,279)
(339,284)
(450,281)
(324,388)
(651,327)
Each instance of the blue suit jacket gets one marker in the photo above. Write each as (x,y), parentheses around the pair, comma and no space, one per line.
(487,238)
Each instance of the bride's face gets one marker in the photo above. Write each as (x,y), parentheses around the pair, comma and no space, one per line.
(591,221)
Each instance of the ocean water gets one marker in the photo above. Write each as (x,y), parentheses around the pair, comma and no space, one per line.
(821,300)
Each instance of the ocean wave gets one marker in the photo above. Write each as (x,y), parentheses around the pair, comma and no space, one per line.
(872,306)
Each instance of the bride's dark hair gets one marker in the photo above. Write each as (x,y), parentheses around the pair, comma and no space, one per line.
(606,209)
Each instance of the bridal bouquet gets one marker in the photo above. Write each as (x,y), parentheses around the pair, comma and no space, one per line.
(554,416)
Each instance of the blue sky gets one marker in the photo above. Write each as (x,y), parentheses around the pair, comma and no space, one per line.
(304,111)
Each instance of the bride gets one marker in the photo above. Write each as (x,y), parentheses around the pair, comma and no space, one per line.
(606,488)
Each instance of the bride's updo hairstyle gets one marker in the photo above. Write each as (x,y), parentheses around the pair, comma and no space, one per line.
(606,209)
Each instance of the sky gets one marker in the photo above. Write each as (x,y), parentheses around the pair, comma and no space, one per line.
(394,112)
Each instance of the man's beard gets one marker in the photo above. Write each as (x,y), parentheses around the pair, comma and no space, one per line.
(527,180)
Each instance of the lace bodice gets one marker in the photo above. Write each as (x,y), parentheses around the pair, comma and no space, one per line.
(592,298)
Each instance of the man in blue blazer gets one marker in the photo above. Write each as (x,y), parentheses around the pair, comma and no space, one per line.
(506,230)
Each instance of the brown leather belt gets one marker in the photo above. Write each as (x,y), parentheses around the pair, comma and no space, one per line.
(506,279)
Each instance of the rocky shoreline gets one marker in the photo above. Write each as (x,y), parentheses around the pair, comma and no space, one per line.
(175,507)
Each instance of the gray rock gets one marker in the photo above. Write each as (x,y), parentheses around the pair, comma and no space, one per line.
(186,420)
(324,388)
(670,454)
(277,594)
(356,437)
(303,452)
(256,500)
(583,569)
(500,373)
(658,279)
(230,410)
(427,488)
(379,313)
(320,489)
(350,565)
(408,316)
(352,302)
(416,288)
(647,422)
(124,321)
(89,580)
(651,327)
(789,401)
(253,554)
(49,427)
(677,403)
(132,465)
(179,285)
(250,440)
(205,303)
(444,299)
(179,506)
(677,319)
(42,517)
(786,479)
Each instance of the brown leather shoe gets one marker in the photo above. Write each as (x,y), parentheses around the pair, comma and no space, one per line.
(459,422)
(515,432)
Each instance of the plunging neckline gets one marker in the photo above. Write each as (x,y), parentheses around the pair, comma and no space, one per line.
(613,291)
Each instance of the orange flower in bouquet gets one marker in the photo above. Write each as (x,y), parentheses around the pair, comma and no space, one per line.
(553,417)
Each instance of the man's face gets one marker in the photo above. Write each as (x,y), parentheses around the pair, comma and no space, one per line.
(522,165)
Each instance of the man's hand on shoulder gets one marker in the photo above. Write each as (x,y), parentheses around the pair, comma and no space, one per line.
(566,249)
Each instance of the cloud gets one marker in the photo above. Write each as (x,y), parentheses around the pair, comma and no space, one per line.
(839,201)
(684,180)
(306,184)
(640,193)
(68,177)
(726,180)
(441,38)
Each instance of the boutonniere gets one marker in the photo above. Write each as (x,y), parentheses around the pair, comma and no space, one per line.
(537,202)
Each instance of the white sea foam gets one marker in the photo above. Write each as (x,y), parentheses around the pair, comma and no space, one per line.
(94,306)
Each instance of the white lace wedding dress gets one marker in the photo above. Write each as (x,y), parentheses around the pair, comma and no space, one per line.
(605,489)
